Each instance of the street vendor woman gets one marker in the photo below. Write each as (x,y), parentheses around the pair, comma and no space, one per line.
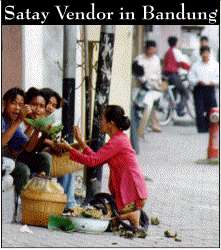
(126,182)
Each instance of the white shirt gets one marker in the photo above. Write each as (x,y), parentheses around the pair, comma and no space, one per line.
(180,57)
(152,68)
(205,72)
(195,57)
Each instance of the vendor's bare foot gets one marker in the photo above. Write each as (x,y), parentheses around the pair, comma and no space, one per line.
(133,217)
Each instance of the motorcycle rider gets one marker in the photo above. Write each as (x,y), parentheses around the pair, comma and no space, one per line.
(173,60)
(151,81)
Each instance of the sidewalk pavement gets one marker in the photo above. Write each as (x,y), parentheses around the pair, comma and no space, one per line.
(183,195)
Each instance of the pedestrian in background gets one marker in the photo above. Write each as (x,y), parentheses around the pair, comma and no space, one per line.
(204,41)
(173,60)
(204,75)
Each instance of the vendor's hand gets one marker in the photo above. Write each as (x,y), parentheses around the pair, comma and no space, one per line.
(58,149)
(77,134)
(64,145)
(24,111)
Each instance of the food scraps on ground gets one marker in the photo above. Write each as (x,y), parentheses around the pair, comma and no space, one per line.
(154,221)
(138,233)
(168,235)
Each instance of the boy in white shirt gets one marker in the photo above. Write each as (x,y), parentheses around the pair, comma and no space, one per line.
(204,75)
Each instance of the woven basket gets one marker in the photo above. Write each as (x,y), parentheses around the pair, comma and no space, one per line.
(37,206)
(62,165)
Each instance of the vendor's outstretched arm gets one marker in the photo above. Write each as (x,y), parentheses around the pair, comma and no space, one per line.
(90,158)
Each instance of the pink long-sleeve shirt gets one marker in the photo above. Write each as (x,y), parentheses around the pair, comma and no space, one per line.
(126,180)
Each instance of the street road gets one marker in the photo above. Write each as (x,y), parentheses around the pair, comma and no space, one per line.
(182,194)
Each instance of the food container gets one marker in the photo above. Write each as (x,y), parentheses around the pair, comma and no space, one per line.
(89,225)
(88,219)
(40,197)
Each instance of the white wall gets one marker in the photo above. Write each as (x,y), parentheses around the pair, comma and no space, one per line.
(212,31)
(32,56)
(120,91)
(53,57)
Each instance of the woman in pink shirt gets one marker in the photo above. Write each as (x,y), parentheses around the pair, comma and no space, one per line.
(126,183)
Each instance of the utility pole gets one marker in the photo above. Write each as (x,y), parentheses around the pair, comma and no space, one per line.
(70,41)
(87,95)
(94,175)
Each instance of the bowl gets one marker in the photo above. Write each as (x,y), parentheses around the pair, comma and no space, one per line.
(89,225)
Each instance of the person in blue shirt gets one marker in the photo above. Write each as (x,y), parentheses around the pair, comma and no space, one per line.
(16,145)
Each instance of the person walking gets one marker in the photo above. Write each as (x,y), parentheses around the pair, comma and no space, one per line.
(173,60)
(204,75)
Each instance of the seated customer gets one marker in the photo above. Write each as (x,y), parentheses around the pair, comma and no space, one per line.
(67,181)
(38,102)
(16,145)
(54,101)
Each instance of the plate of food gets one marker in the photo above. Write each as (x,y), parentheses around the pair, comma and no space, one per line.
(88,219)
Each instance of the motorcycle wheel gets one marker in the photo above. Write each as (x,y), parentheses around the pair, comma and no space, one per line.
(164,109)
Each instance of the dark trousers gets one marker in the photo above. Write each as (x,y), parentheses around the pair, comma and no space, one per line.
(204,100)
(135,122)
(28,163)
(174,79)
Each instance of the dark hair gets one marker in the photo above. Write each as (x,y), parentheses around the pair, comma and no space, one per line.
(204,38)
(137,69)
(204,48)
(150,43)
(33,92)
(11,94)
(51,93)
(172,40)
(116,114)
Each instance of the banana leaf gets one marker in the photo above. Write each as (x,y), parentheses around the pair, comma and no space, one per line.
(55,129)
(44,122)
(56,222)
